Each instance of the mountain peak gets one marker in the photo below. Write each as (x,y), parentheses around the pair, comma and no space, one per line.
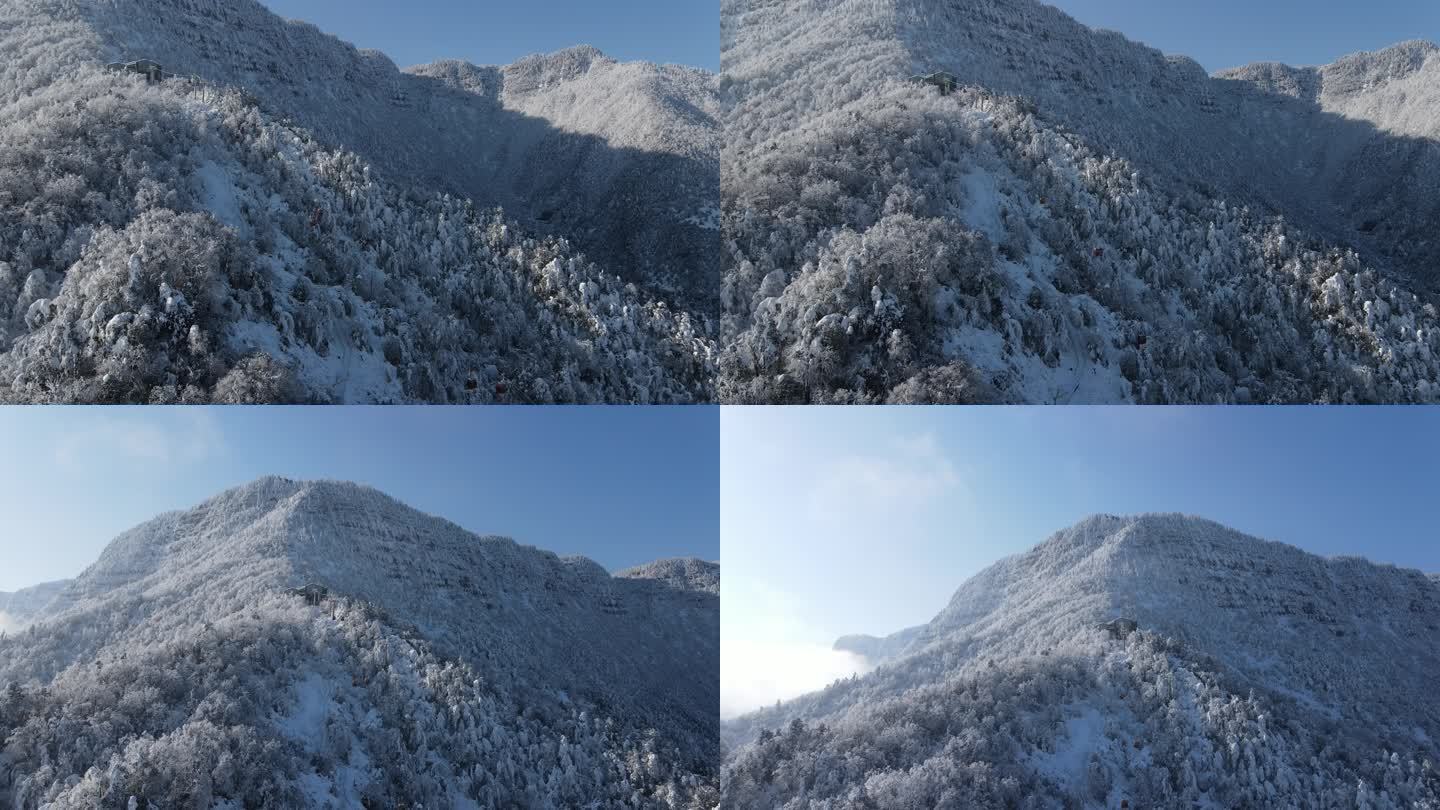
(1151,533)
(823,90)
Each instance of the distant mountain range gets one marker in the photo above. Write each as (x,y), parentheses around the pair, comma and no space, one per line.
(341,214)
(1084,220)
(684,573)
(17,609)
(334,647)
(1255,674)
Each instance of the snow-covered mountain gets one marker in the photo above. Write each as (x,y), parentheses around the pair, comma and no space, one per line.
(879,649)
(1085,219)
(339,212)
(1257,675)
(621,158)
(364,651)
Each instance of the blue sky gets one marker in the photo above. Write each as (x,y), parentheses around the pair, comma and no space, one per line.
(622,486)
(1228,33)
(493,32)
(837,521)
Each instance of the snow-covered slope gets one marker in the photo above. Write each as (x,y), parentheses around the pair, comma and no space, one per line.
(305,275)
(1086,220)
(531,679)
(1259,675)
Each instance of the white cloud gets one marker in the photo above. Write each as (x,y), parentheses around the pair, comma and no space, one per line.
(821,543)
(758,673)
(769,652)
(8,625)
(170,436)
(905,473)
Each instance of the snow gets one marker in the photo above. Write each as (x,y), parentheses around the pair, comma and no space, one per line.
(1104,178)
(982,204)
(352,375)
(317,790)
(1083,737)
(315,700)
(219,195)
(707,218)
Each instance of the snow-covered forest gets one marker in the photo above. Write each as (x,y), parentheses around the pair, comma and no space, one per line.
(1256,675)
(289,219)
(291,644)
(1083,220)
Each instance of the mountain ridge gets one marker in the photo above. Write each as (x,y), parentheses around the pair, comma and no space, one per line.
(286,528)
(266,532)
